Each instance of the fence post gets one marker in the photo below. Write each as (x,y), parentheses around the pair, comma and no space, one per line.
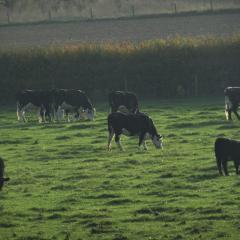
(91,13)
(211,5)
(8,15)
(174,8)
(49,15)
(133,10)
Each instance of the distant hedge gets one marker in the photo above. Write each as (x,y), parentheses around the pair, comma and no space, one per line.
(158,68)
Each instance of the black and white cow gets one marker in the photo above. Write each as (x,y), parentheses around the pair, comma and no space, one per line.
(132,124)
(232,101)
(41,100)
(2,179)
(123,98)
(226,150)
(71,100)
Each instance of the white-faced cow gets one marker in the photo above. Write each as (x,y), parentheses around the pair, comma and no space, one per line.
(40,100)
(123,98)
(2,179)
(232,101)
(132,124)
(226,150)
(71,100)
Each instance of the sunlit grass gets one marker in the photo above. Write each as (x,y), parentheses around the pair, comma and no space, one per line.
(65,185)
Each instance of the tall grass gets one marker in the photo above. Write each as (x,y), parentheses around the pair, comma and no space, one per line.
(157,68)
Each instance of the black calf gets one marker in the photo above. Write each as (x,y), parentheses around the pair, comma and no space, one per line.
(226,150)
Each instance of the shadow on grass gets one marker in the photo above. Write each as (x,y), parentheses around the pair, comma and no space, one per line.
(64,137)
(196,125)
(203,177)
(119,202)
(79,126)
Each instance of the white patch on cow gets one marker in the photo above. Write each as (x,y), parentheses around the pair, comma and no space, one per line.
(82,115)
(147,136)
(228,103)
(157,141)
(27,108)
(145,145)
(125,132)
(228,106)
(19,113)
(90,113)
(40,120)
(123,109)
(59,114)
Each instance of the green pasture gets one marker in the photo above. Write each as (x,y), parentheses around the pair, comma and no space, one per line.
(65,185)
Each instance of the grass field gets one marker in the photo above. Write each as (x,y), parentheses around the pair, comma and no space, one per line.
(65,185)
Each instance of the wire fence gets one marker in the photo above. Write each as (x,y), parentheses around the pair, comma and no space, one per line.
(57,10)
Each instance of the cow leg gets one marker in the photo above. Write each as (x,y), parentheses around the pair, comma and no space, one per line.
(236,164)
(24,109)
(23,116)
(228,108)
(117,140)
(219,165)
(228,114)
(19,117)
(141,139)
(110,137)
(225,170)
(59,114)
(67,114)
(40,114)
(236,113)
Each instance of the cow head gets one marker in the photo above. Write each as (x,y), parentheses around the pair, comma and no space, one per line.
(90,113)
(157,140)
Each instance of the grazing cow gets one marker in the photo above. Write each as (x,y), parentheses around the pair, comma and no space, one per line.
(2,179)
(232,101)
(132,124)
(70,100)
(127,99)
(226,150)
(38,99)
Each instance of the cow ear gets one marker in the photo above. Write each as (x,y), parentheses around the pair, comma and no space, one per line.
(160,136)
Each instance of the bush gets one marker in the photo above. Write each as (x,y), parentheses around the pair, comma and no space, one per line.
(201,66)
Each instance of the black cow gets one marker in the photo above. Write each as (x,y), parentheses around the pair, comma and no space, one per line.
(71,100)
(2,179)
(232,101)
(39,99)
(121,98)
(132,124)
(226,150)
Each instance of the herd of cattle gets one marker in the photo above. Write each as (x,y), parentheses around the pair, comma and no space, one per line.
(125,118)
